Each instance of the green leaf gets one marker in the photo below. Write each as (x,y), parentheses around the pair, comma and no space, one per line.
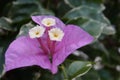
(78,68)
(25,1)
(25,29)
(87,12)
(22,10)
(105,75)
(93,27)
(96,4)
(89,19)
(91,75)
(62,9)
(100,46)
(109,30)
(5,23)
(78,78)
(58,76)
(1,60)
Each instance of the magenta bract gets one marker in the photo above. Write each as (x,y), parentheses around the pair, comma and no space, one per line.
(25,51)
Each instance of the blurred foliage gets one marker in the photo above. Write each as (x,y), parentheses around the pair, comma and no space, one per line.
(98,17)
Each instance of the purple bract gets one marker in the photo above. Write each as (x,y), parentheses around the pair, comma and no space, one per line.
(46,51)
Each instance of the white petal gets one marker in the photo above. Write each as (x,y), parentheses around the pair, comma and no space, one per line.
(48,22)
(56,34)
(36,32)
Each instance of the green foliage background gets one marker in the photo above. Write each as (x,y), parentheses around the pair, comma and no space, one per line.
(91,15)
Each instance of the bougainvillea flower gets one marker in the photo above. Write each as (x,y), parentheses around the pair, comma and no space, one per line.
(47,45)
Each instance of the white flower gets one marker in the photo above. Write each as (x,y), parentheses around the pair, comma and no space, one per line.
(98,65)
(119,49)
(36,32)
(56,34)
(48,22)
(98,59)
(118,68)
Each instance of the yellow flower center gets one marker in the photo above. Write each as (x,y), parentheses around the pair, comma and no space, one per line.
(37,33)
(48,22)
(56,35)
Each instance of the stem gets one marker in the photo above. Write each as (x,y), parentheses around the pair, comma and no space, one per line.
(64,72)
